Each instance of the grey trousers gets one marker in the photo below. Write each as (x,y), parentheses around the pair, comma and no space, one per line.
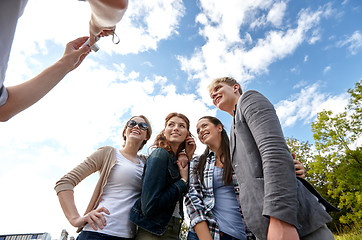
(322,233)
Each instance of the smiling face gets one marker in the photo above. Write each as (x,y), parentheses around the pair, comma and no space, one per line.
(176,131)
(224,96)
(135,133)
(209,133)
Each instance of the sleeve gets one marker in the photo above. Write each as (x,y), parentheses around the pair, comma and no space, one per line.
(90,165)
(3,95)
(194,198)
(157,194)
(280,187)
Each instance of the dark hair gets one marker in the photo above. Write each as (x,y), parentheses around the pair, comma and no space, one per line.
(148,135)
(224,154)
(161,141)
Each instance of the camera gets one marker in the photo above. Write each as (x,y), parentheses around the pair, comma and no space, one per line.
(94,48)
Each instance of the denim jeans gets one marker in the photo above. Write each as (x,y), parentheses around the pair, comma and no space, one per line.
(192,236)
(223,236)
(89,235)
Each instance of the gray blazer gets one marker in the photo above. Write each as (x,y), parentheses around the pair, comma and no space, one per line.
(265,171)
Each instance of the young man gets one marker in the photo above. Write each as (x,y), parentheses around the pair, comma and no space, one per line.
(275,204)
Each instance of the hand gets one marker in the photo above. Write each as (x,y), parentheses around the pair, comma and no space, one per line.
(182,158)
(184,171)
(299,168)
(190,147)
(94,218)
(280,230)
(73,54)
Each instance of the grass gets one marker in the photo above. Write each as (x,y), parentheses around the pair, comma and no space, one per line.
(354,234)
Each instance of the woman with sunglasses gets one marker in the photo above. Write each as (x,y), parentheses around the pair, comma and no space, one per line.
(159,212)
(118,187)
(212,202)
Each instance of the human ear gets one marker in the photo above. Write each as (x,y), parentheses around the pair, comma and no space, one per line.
(219,128)
(236,88)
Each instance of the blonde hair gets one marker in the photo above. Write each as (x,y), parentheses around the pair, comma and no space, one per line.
(227,80)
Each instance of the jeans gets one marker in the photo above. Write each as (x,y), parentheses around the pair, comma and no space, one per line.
(88,235)
(192,236)
(223,236)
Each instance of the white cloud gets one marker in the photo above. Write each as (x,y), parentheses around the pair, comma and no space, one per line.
(276,13)
(315,36)
(295,70)
(305,105)
(144,24)
(326,69)
(306,58)
(300,84)
(226,53)
(148,63)
(353,43)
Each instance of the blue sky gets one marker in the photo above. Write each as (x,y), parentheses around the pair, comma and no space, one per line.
(302,55)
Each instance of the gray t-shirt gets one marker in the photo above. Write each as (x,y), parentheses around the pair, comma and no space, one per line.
(226,209)
(10,11)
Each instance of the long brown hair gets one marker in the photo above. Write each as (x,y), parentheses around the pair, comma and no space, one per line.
(161,141)
(224,156)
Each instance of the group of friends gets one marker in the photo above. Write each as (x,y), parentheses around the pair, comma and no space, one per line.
(245,187)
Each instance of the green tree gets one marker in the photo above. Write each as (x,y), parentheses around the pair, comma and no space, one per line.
(303,152)
(338,163)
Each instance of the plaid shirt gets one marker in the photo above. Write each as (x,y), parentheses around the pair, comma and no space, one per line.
(200,199)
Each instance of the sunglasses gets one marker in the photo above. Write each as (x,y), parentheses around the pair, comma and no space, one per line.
(142,125)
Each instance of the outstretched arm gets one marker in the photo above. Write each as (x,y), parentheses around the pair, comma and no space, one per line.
(26,94)
(105,15)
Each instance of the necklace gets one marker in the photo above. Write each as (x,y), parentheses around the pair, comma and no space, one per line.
(218,162)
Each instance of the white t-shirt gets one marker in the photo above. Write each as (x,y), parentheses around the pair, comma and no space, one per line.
(120,193)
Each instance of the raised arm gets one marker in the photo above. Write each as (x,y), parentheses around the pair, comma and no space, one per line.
(26,94)
(105,15)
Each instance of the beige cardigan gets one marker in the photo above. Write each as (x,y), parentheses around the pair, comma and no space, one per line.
(103,161)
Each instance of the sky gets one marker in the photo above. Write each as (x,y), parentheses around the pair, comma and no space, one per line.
(302,55)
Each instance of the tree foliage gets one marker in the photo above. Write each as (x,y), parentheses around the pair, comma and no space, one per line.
(302,151)
(337,165)
(334,162)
